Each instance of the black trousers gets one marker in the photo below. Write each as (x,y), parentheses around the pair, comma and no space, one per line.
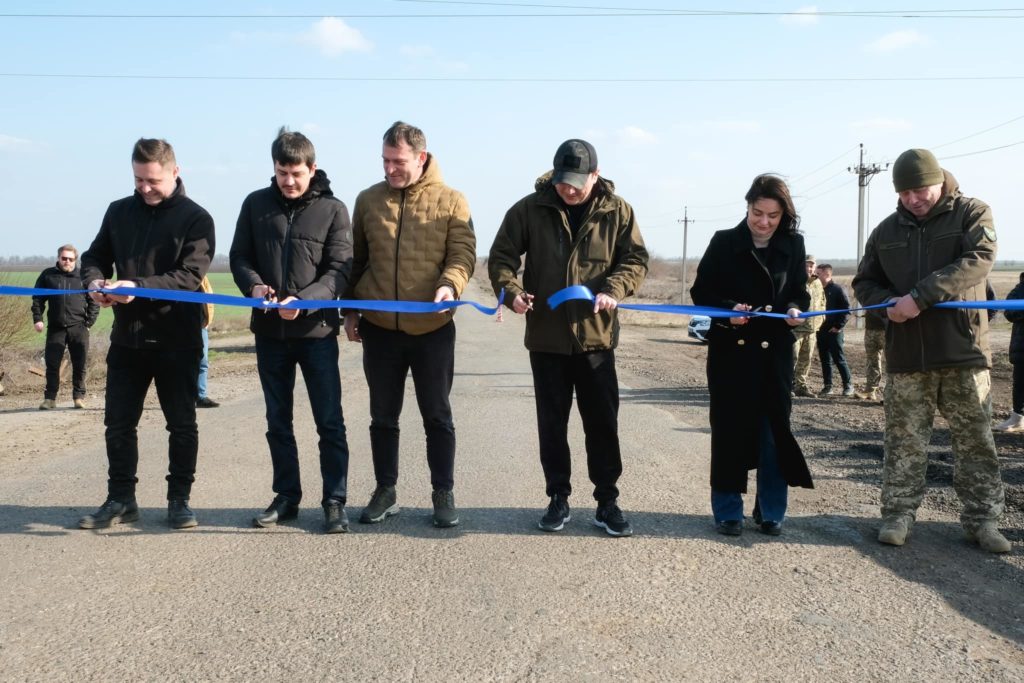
(388,357)
(592,376)
(1018,388)
(129,374)
(76,340)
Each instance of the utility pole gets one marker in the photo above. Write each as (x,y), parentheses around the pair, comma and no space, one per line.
(864,175)
(685,220)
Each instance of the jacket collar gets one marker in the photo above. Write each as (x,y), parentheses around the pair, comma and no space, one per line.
(176,197)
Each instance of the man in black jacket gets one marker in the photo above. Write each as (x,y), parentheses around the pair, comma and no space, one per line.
(157,239)
(67,325)
(293,240)
(830,334)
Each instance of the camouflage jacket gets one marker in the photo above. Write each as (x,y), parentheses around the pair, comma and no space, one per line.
(817,294)
(945,256)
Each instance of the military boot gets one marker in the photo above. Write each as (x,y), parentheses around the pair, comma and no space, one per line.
(988,538)
(894,530)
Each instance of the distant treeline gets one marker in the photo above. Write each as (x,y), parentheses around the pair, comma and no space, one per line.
(20,263)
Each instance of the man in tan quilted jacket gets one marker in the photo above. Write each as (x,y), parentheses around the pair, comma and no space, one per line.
(413,240)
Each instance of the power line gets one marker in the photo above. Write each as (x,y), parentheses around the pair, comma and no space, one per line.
(983,151)
(524,79)
(966,137)
(590,11)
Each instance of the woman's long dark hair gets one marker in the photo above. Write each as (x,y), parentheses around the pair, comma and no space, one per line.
(771,186)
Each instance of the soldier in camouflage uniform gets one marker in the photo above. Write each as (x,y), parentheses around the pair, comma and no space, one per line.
(874,355)
(938,246)
(803,349)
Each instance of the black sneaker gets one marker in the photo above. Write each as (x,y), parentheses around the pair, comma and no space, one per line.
(609,517)
(110,513)
(445,514)
(206,402)
(383,503)
(557,515)
(335,519)
(180,515)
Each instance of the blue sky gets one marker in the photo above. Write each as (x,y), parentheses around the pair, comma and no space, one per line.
(684,110)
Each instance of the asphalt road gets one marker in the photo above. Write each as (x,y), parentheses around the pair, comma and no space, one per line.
(494,598)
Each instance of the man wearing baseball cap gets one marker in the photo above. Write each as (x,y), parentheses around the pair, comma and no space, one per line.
(574,230)
(938,245)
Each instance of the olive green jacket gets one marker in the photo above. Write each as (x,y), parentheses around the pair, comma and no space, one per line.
(607,255)
(945,256)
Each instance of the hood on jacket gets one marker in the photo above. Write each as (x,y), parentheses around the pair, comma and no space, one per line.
(319,186)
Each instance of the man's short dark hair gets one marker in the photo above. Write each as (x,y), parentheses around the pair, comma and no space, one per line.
(400,132)
(148,150)
(292,148)
(825,266)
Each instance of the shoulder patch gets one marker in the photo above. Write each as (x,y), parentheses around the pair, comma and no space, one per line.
(990,233)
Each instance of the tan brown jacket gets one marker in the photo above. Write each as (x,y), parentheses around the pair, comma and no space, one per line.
(407,243)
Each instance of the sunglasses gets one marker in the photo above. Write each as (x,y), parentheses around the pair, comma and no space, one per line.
(67,258)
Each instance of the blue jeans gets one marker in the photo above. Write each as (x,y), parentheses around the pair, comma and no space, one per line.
(830,350)
(204,363)
(318,358)
(772,492)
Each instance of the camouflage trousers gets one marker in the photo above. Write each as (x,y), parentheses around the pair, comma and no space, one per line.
(874,353)
(803,352)
(962,397)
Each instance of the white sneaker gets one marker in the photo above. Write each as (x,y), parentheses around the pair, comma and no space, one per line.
(1014,423)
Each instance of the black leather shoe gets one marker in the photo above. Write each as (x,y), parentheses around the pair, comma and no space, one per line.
(281,510)
(110,513)
(206,402)
(335,519)
(771,528)
(730,527)
(180,515)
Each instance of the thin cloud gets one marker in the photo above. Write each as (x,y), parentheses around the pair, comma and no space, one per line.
(636,135)
(881,124)
(426,56)
(10,142)
(333,37)
(897,40)
(805,16)
(738,126)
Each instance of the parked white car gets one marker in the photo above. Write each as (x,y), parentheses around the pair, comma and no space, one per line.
(698,327)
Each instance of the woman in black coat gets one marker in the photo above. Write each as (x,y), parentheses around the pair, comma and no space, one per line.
(758,265)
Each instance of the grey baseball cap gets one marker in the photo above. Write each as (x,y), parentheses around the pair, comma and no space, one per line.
(574,161)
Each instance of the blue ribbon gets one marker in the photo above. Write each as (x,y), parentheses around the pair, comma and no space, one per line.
(227,300)
(582,293)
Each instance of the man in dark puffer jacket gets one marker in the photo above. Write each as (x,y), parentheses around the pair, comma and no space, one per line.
(293,241)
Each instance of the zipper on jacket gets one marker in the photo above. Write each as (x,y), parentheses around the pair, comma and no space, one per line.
(285,259)
(398,243)
(920,255)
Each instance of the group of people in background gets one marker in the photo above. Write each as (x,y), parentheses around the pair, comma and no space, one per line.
(411,238)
